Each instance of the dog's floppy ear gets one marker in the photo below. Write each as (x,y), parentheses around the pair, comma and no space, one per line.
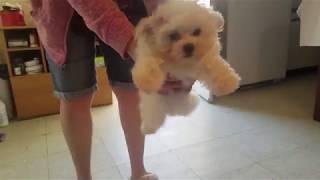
(147,26)
(218,19)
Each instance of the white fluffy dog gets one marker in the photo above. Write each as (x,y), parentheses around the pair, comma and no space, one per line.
(180,39)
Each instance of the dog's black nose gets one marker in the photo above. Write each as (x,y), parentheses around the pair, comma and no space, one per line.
(188,49)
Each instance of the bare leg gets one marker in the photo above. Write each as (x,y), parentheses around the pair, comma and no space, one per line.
(77,127)
(130,118)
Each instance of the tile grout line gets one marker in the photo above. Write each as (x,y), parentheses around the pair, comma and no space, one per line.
(112,158)
(254,162)
(268,169)
(204,141)
(184,163)
(273,157)
(47,149)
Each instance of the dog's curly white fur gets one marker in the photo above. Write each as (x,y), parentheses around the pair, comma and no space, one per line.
(180,39)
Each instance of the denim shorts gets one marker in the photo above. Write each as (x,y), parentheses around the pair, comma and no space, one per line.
(77,77)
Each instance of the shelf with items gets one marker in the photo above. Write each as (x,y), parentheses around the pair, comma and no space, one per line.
(23,51)
(21,38)
(32,93)
(30,81)
(27,62)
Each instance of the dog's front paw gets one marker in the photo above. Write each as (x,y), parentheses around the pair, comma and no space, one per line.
(150,83)
(147,129)
(148,79)
(227,86)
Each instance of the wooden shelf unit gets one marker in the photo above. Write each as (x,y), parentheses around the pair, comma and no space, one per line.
(33,93)
(10,52)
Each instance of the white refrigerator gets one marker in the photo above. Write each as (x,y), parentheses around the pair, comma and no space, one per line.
(255,38)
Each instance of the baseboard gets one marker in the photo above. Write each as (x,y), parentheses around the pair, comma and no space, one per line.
(205,94)
(302,71)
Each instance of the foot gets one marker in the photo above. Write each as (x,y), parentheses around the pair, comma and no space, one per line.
(147,176)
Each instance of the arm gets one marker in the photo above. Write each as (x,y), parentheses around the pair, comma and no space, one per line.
(105,19)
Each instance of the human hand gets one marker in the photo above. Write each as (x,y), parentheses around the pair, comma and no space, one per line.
(132,45)
(174,85)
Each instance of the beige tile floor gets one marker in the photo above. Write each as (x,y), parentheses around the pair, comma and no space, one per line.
(262,133)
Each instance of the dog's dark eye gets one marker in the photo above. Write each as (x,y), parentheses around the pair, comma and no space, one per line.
(196,32)
(174,36)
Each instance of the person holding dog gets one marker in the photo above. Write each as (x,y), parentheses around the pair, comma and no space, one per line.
(67,29)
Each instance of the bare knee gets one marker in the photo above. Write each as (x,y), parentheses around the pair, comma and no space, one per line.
(78,102)
(127,96)
(77,105)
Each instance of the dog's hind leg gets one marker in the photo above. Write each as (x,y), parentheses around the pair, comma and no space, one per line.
(152,112)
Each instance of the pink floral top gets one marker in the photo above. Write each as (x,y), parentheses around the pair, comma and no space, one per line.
(52,18)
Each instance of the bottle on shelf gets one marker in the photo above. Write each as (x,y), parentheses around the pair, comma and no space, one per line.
(33,40)
(19,68)
(17,71)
